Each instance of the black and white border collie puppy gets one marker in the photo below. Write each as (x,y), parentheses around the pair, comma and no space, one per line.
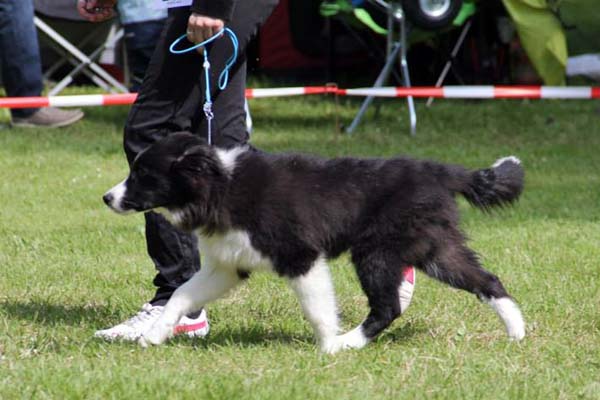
(289,214)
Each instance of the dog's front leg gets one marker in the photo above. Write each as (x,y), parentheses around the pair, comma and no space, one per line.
(317,297)
(206,285)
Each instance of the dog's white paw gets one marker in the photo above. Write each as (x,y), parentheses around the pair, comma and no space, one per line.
(156,335)
(517,332)
(331,346)
(354,339)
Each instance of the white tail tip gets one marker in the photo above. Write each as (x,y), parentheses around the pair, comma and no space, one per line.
(502,160)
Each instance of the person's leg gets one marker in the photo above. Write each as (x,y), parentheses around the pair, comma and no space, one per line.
(168,83)
(170,100)
(21,68)
(19,52)
(153,116)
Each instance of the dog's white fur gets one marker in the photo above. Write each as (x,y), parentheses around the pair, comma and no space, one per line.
(118,192)
(510,314)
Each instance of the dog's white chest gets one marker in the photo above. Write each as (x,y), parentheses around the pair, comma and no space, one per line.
(234,250)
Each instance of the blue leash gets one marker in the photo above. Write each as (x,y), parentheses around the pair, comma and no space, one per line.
(223,77)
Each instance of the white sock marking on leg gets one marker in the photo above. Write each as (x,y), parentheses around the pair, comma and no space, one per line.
(510,314)
(317,297)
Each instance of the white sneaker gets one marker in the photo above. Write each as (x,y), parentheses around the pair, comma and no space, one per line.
(134,327)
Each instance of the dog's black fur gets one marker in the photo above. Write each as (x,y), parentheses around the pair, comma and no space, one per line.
(387,212)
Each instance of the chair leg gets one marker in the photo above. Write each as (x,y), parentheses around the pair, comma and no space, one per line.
(406,77)
(76,53)
(448,65)
(82,68)
(383,75)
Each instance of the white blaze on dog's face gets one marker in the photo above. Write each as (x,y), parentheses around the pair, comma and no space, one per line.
(115,196)
(169,174)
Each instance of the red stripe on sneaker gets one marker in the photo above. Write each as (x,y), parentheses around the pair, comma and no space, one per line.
(189,328)
(409,274)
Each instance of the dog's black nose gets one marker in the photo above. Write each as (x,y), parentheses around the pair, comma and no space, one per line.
(108,198)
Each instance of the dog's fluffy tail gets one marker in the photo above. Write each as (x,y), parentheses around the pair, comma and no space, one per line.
(498,185)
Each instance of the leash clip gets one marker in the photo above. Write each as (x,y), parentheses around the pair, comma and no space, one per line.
(207,108)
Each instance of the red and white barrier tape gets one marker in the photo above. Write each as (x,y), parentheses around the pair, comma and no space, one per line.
(446,92)
(68,101)
(290,91)
(480,92)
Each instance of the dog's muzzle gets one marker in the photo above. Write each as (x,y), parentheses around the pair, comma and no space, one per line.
(115,199)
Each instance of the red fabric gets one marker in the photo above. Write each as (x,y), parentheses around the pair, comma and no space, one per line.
(276,50)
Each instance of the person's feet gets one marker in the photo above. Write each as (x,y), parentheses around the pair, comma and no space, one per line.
(49,117)
(133,328)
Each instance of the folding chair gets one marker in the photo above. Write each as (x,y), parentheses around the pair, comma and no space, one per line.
(70,52)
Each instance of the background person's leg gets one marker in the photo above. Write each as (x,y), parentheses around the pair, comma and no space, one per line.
(140,39)
(19,52)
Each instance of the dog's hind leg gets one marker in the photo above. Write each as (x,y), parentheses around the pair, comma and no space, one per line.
(206,285)
(316,295)
(459,267)
(381,278)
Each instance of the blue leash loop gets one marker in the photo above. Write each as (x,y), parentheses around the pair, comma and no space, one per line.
(223,77)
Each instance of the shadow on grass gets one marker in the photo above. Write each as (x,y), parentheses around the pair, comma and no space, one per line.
(257,334)
(43,312)
(265,335)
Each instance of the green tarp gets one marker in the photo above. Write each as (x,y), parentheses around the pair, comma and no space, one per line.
(545,40)
(542,38)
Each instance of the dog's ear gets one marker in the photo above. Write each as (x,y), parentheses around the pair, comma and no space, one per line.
(197,162)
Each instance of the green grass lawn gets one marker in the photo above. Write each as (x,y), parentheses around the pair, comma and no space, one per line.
(68,266)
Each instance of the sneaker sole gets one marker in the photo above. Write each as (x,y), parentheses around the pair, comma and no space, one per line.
(200,329)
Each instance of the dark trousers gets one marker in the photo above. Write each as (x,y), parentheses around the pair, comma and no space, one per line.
(20,63)
(170,100)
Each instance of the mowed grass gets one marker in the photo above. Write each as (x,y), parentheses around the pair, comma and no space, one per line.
(68,266)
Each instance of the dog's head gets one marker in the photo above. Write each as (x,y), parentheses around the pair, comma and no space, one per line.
(172,173)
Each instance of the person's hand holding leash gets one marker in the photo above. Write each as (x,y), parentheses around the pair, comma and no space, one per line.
(96,10)
(201,27)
